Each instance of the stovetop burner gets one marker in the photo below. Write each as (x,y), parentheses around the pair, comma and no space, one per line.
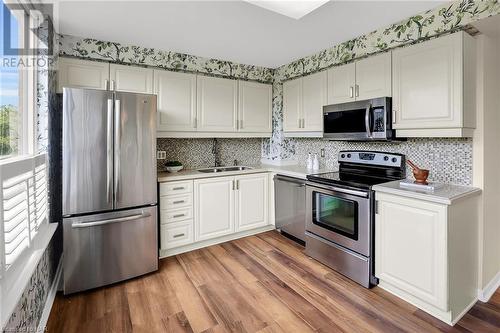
(363,169)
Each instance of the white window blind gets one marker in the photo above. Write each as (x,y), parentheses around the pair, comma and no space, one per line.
(23,205)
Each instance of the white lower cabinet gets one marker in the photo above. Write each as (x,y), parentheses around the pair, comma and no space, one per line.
(214,208)
(252,201)
(205,211)
(426,253)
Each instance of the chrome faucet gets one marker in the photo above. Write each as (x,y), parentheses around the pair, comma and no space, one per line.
(215,152)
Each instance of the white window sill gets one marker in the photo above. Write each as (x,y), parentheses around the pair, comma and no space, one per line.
(14,282)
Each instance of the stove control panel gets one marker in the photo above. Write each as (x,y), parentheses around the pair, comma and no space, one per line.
(372,158)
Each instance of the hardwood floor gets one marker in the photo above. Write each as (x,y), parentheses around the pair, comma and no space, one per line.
(261,283)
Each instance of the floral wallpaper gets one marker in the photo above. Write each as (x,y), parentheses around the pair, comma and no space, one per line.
(136,55)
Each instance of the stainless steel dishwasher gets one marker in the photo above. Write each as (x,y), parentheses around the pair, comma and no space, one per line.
(290,202)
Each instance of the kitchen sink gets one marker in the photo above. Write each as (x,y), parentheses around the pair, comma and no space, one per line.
(223,169)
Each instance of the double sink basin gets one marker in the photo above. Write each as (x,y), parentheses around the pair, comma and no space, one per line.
(224,169)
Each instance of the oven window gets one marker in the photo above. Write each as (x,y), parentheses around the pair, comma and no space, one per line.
(336,214)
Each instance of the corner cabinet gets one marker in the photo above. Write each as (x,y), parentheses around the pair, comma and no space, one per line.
(217,104)
(425,253)
(434,87)
(176,101)
(76,73)
(303,101)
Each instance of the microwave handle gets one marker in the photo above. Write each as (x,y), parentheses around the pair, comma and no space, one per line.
(367,121)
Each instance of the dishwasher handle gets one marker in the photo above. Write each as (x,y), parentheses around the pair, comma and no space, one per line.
(298,181)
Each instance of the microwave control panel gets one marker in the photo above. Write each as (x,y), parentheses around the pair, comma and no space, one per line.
(378,120)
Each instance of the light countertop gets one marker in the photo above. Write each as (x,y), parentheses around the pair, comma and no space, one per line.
(288,170)
(443,195)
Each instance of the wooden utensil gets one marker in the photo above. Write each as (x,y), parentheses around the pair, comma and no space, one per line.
(419,174)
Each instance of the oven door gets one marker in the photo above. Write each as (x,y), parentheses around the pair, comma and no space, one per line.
(339,215)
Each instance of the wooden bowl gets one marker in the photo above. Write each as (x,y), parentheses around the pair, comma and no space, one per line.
(421,176)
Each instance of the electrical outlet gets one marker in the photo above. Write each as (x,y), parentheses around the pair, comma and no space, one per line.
(322,152)
(161,155)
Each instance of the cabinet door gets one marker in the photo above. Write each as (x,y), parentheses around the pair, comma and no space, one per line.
(314,97)
(292,105)
(255,107)
(176,100)
(131,78)
(213,207)
(410,247)
(427,84)
(252,204)
(373,77)
(76,73)
(217,104)
(341,82)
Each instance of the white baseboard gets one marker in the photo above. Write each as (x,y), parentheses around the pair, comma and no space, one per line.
(464,312)
(50,298)
(485,294)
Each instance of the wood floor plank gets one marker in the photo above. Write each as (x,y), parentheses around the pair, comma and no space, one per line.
(263,283)
(194,307)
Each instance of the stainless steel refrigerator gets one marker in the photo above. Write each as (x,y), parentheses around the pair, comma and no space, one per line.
(110,228)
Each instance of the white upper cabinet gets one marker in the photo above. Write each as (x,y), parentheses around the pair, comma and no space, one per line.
(76,73)
(341,83)
(433,87)
(176,100)
(255,107)
(131,78)
(314,97)
(360,80)
(373,77)
(214,207)
(292,105)
(252,201)
(303,101)
(217,104)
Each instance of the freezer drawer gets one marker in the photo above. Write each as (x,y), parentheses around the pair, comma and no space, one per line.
(105,248)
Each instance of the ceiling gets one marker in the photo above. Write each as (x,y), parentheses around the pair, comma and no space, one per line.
(231,30)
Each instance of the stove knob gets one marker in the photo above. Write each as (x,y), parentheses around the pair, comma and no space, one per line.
(386,158)
(348,155)
(394,160)
(343,155)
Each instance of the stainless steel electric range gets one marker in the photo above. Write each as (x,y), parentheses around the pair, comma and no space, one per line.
(340,212)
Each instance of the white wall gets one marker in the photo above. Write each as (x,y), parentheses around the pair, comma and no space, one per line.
(486,155)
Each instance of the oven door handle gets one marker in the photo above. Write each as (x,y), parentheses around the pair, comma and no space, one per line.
(367,121)
(341,190)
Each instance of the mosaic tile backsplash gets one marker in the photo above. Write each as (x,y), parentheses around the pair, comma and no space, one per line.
(449,160)
(197,153)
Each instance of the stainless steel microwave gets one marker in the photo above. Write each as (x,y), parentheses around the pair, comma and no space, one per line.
(359,121)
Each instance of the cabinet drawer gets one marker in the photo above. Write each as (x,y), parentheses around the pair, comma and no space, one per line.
(176,215)
(175,188)
(176,201)
(176,234)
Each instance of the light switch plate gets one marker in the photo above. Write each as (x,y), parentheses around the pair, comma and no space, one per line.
(322,152)
(161,155)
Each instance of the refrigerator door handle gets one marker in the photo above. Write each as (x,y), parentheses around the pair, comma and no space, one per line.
(117,149)
(109,221)
(109,152)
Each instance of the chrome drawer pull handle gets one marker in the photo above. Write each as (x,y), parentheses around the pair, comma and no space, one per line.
(178,235)
(178,202)
(178,188)
(179,215)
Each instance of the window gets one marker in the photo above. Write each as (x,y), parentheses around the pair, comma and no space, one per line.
(24,231)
